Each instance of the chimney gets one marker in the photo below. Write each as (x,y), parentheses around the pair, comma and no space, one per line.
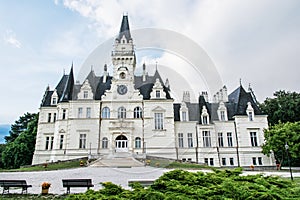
(205,95)
(186,97)
(105,74)
(144,72)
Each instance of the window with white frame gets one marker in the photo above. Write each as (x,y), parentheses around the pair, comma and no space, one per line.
(64,114)
(54,100)
(206,139)
(180,140)
(61,142)
(254,161)
(253,137)
(137,113)
(122,113)
(104,143)
(54,117)
(80,112)
(88,112)
(51,142)
(231,161)
(49,117)
(105,112)
(220,139)
(206,161)
(211,162)
(259,160)
(82,141)
(85,94)
(222,113)
(190,140)
(158,121)
(229,139)
(223,161)
(138,142)
(204,119)
(250,116)
(184,116)
(157,93)
(47,143)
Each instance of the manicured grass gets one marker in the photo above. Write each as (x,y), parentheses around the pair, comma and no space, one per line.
(178,165)
(50,166)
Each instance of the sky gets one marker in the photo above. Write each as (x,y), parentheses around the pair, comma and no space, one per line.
(257,41)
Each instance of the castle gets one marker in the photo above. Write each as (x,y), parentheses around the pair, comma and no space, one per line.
(135,115)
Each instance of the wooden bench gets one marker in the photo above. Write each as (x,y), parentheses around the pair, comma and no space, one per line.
(143,182)
(68,183)
(6,184)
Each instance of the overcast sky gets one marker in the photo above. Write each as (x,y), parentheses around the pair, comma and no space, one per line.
(255,40)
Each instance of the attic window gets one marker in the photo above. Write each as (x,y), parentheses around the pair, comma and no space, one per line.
(54,101)
(204,120)
(250,116)
(222,115)
(85,94)
(123,41)
(157,94)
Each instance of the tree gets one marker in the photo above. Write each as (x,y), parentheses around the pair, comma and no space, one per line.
(278,136)
(19,126)
(285,107)
(20,151)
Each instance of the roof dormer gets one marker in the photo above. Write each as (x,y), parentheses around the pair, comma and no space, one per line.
(250,111)
(85,91)
(204,116)
(184,112)
(158,91)
(54,98)
(222,112)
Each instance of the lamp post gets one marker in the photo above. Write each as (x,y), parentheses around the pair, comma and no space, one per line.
(288,155)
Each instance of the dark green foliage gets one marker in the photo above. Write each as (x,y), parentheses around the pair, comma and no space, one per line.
(19,151)
(284,107)
(19,126)
(184,185)
(280,134)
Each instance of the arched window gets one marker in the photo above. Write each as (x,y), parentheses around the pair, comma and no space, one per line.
(122,113)
(105,112)
(137,113)
(138,142)
(104,143)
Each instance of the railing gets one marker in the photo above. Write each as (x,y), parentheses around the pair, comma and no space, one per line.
(122,53)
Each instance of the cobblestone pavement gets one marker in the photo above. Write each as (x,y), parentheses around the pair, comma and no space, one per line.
(119,176)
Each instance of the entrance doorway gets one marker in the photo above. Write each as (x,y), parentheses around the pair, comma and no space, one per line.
(121,144)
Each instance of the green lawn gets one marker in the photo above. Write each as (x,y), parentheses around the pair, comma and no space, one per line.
(50,166)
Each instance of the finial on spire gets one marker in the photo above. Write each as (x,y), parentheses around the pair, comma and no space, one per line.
(105,67)
(92,69)
(240,81)
(144,66)
(125,13)
(156,66)
(64,71)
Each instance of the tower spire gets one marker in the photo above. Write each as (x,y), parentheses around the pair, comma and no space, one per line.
(124,29)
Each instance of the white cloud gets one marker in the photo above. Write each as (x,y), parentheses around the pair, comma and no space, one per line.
(11,39)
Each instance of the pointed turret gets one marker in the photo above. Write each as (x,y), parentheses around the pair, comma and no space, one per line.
(68,89)
(124,29)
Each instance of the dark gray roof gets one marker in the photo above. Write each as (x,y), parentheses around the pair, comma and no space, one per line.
(124,29)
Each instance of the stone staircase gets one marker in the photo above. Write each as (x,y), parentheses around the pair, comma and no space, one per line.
(122,159)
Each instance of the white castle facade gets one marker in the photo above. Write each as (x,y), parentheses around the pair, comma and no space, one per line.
(135,115)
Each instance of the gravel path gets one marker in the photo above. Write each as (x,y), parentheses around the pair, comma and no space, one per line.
(119,176)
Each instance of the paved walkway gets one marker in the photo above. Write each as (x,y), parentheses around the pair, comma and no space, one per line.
(119,176)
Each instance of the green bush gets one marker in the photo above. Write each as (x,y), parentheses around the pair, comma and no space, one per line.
(219,184)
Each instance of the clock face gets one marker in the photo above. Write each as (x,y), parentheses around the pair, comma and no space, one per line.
(122,89)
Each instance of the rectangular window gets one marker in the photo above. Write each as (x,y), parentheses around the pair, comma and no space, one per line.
(54,117)
(158,120)
(190,140)
(220,139)
(250,116)
(79,112)
(82,141)
(51,142)
(253,138)
(259,160)
(47,143)
(157,93)
(204,120)
(222,115)
(85,94)
(184,116)
(61,142)
(88,112)
(224,161)
(54,101)
(64,114)
(231,161)
(211,162)
(206,161)
(254,161)
(229,139)
(180,140)
(206,139)
(49,117)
